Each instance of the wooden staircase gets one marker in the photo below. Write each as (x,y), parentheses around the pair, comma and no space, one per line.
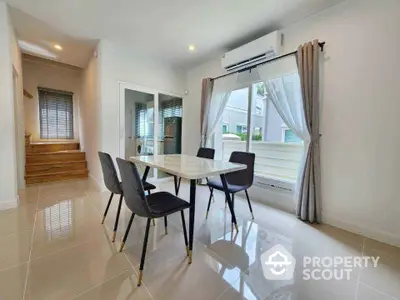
(54,162)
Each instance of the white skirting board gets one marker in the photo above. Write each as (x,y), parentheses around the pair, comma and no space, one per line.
(9,203)
(369,232)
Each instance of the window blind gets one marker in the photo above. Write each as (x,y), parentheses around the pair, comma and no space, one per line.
(169,108)
(56,114)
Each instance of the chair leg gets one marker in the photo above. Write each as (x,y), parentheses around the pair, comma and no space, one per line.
(126,232)
(148,193)
(233,200)
(209,201)
(166,224)
(108,206)
(185,232)
(146,238)
(248,201)
(117,218)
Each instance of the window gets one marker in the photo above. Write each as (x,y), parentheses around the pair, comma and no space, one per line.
(56,114)
(241,129)
(225,128)
(289,136)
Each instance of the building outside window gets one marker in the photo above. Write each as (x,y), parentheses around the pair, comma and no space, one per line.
(241,129)
(225,128)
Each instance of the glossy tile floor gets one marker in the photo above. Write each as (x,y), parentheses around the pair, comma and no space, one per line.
(54,247)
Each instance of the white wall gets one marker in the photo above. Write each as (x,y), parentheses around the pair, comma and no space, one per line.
(360,104)
(90,113)
(10,151)
(123,64)
(43,73)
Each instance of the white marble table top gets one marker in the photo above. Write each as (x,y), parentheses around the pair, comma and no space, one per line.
(186,166)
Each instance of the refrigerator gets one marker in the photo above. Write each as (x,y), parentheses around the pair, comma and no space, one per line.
(173,135)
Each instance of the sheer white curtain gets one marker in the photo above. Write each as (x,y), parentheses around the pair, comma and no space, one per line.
(220,96)
(282,84)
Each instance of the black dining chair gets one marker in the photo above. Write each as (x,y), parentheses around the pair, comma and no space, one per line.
(112,183)
(206,153)
(203,153)
(157,205)
(237,181)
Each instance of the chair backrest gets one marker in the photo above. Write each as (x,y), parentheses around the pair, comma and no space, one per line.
(242,177)
(132,185)
(206,153)
(110,173)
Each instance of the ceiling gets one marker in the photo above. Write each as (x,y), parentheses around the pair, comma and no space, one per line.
(162,29)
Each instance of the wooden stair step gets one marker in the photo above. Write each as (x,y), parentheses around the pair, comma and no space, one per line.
(56,176)
(55,162)
(54,157)
(52,147)
(52,167)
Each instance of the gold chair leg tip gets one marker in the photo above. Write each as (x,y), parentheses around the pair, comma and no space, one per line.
(206,215)
(237,227)
(166,230)
(190,257)
(114,236)
(102,221)
(140,278)
(122,247)
(187,251)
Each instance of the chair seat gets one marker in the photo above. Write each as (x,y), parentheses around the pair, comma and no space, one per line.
(217,184)
(148,186)
(163,204)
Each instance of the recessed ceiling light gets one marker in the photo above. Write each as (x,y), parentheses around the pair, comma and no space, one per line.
(58,47)
(192,48)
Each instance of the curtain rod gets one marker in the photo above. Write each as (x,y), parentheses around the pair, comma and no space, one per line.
(321,45)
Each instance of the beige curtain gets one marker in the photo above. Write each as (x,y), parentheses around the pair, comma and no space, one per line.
(206,92)
(309,197)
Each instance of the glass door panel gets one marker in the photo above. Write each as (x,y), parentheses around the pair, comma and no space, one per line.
(169,127)
(277,149)
(231,134)
(140,125)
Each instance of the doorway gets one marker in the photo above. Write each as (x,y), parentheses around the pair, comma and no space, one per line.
(150,123)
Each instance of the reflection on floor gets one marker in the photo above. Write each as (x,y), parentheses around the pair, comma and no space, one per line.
(53,247)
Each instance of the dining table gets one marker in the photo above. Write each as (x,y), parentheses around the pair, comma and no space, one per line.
(191,168)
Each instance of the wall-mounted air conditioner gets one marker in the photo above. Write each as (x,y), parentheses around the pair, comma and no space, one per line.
(259,50)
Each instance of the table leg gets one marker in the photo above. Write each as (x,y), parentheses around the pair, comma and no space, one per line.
(228,199)
(191,216)
(176,185)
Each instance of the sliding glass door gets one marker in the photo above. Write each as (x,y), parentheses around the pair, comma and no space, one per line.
(250,122)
